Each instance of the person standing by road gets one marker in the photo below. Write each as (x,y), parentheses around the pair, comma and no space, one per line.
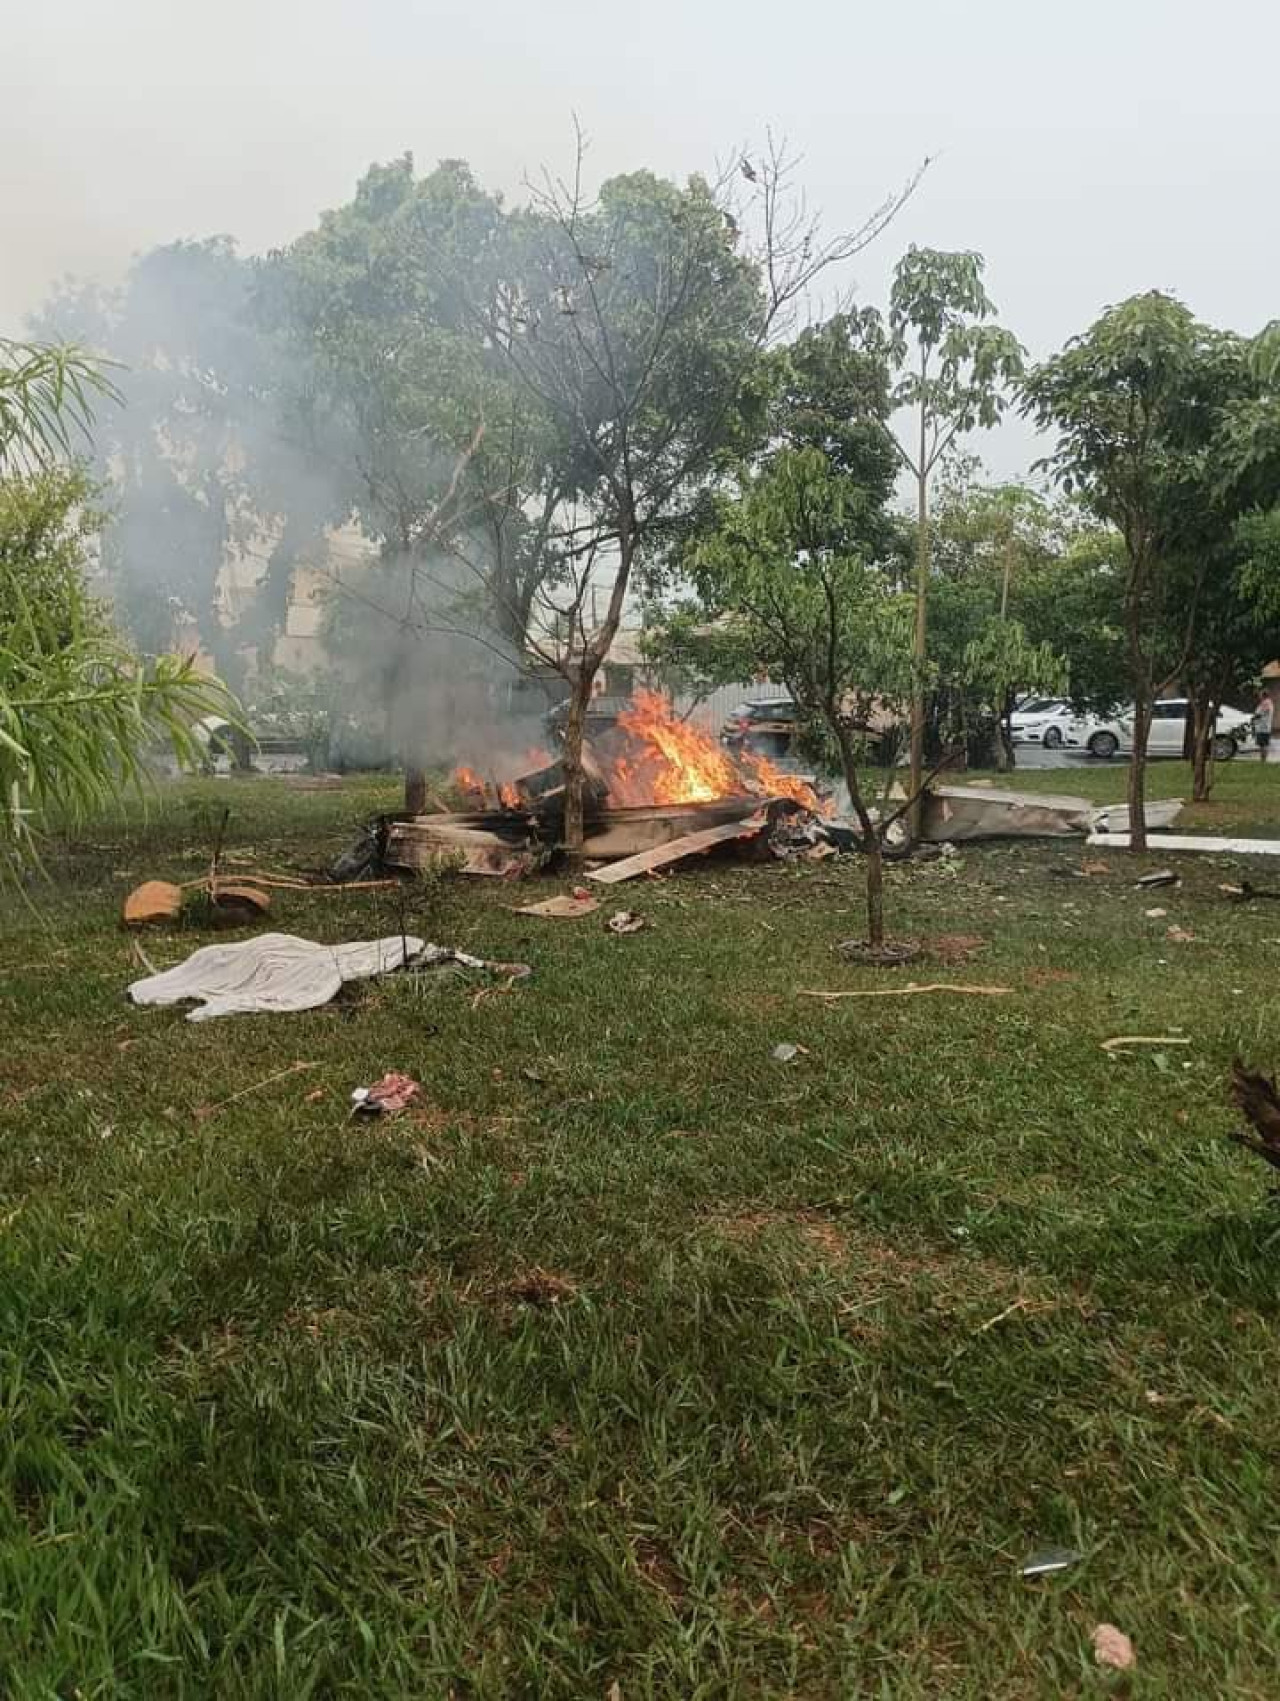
(1263,720)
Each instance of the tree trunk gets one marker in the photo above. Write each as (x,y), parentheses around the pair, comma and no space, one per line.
(574,776)
(1143,698)
(872,846)
(1203,719)
(875,890)
(594,651)
(415,789)
(922,592)
(1138,770)
(1003,746)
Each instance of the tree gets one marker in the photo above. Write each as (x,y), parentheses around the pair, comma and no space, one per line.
(782,577)
(78,711)
(788,562)
(1237,631)
(47,393)
(400,394)
(956,370)
(638,331)
(1150,409)
(1005,555)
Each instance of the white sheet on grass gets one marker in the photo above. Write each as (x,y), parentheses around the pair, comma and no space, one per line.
(274,972)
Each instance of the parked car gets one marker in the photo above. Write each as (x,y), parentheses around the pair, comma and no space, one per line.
(1107,737)
(602,716)
(1049,721)
(768,726)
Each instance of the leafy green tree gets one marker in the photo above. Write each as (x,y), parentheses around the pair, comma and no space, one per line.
(47,395)
(78,711)
(1155,415)
(781,580)
(1006,554)
(404,399)
(788,561)
(1237,632)
(956,371)
(640,332)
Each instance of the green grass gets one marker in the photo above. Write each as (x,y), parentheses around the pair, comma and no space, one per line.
(837,1343)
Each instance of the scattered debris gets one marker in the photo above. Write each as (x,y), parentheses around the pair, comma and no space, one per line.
(958,813)
(889,955)
(387,1097)
(442,956)
(1048,1560)
(1114,817)
(1255,1094)
(363,857)
(1022,1303)
(1190,842)
(237,904)
(1161,877)
(626,921)
(1089,869)
(1179,935)
(153,902)
(514,842)
(205,1111)
(565,906)
(1155,914)
(1123,1042)
(1111,1647)
(788,1053)
(1245,892)
(910,989)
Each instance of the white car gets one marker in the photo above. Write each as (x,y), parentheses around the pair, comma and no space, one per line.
(1113,737)
(1048,721)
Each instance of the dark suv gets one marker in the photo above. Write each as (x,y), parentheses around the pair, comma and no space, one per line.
(768,726)
(602,716)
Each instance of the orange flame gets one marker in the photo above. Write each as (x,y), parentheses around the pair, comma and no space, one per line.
(683,764)
(676,762)
(767,777)
(508,796)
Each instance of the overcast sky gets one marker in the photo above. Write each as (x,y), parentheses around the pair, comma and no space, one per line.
(1088,149)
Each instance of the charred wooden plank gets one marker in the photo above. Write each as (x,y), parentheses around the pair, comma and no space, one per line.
(692,844)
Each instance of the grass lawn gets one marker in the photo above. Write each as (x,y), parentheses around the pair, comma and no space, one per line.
(633,1356)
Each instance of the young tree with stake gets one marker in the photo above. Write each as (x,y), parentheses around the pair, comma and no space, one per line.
(955,373)
(782,573)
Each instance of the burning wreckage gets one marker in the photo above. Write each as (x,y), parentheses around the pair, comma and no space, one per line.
(658,789)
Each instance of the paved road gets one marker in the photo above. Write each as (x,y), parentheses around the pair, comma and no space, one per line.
(1035,756)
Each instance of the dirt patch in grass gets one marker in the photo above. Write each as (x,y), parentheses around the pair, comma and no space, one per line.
(541,1288)
(815,1235)
(655,1565)
(1051,977)
(953,947)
